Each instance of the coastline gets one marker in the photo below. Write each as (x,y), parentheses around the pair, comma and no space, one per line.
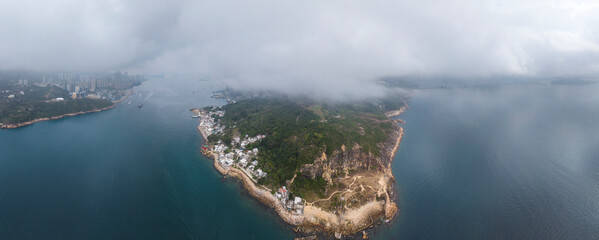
(395,113)
(23,124)
(390,206)
(316,219)
(123,98)
(261,194)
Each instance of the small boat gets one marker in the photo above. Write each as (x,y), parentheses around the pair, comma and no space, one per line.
(195,116)
(140,105)
(129,102)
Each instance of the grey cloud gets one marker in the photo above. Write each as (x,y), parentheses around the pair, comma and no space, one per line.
(337,48)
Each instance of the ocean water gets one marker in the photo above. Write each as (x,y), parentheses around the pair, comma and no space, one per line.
(516,162)
(126,173)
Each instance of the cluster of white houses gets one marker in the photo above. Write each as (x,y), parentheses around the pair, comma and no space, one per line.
(240,157)
(227,156)
(208,123)
(243,158)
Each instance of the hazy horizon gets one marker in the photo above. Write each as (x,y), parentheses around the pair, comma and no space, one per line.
(338,49)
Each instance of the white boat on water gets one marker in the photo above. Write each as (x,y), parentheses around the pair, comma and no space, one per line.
(129,102)
(195,116)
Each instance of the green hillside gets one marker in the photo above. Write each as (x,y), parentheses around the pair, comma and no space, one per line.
(35,103)
(298,131)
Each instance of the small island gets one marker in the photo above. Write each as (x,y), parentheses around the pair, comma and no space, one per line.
(323,167)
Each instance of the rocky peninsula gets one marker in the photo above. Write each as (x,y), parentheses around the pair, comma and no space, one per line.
(323,169)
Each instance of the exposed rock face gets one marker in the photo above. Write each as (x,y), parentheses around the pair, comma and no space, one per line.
(346,160)
(358,194)
(341,164)
(363,182)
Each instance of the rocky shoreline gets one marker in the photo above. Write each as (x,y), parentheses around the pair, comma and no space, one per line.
(397,112)
(316,220)
(261,193)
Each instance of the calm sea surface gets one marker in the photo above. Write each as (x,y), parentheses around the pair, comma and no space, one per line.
(126,173)
(517,162)
(507,163)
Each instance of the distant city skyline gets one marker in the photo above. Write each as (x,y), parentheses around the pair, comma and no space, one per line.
(105,85)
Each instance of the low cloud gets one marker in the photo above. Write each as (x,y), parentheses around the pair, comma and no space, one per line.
(336,48)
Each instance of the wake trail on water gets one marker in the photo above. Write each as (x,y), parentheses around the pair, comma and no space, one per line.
(149,96)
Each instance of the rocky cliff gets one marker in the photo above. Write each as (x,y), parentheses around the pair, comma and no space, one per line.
(346,160)
(360,187)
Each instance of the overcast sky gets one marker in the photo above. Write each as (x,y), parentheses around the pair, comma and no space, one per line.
(297,45)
